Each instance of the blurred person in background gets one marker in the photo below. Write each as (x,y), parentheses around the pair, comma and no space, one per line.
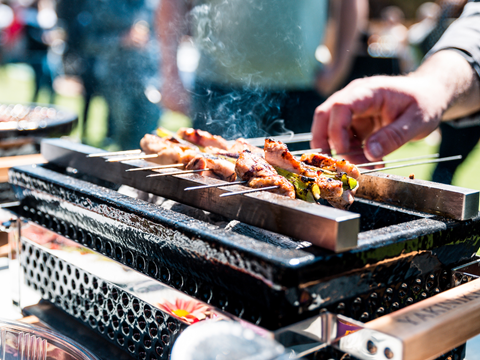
(7,28)
(39,18)
(257,73)
(27,40)
(383,113)
(119,58)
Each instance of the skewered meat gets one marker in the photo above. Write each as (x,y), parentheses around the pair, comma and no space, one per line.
(259,173)
(284,187)
(332,183)
(331,189)
(277,154)
(202,138)
(223,169)
(251,165)
(214,144)
(325,162)
(241,145)
(167,150)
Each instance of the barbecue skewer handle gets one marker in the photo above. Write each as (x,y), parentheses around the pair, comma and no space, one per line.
(434,326)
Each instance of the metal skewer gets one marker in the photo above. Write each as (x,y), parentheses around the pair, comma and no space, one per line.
(457,157)
(307,151)
(250,191)
(179,172)
(156,167)
(116,153)
(150,156)
(214,185)
(287,139)
(399,160)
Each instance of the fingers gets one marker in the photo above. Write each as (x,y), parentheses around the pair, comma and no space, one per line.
(320,129)
(389,138)
(339,128)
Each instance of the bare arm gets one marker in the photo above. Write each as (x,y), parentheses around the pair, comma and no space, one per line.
(171,27)
(461,82)
(349,17)
(385,112)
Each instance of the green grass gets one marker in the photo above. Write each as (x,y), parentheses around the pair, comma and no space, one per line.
(16,85)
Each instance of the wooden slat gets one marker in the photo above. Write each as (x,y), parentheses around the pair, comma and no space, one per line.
(436,325)
(7,162)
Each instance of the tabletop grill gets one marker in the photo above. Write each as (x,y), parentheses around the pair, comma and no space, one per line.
(379,258)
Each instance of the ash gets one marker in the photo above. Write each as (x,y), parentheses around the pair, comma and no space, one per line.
(219,221)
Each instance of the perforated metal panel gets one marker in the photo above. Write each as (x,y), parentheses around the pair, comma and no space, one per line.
(140,329)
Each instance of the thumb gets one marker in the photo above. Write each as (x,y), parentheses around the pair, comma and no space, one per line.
(392,136)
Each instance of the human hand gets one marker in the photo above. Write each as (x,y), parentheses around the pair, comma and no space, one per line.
(381,112)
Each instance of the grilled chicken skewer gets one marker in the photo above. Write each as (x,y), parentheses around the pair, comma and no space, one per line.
(331,188)
(169,150)
(260,174)
(327,163)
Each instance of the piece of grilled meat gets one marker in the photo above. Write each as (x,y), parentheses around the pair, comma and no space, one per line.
(331,189)
(168,150)
(326,162)
(220,168)
(202,138)
(259,173)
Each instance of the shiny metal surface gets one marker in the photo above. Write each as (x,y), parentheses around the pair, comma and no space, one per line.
(60,123)
(445,200)
(341,332)
(326,227)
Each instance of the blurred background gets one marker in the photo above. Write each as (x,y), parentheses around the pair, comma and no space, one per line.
(102,61)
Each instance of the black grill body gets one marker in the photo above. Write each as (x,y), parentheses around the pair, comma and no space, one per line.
(403,257)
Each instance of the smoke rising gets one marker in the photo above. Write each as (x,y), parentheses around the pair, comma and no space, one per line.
(250,57)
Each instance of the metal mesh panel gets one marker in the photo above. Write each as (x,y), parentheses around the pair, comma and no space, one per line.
(140,329)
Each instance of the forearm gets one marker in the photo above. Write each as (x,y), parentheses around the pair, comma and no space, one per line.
(449,71)
(459,47)
(171,26)
(348,19)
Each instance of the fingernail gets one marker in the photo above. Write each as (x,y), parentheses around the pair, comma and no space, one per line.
(375,149)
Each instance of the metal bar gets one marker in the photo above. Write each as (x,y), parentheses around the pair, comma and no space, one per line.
(214,185)
(399,160)
(425,196)
(116,153)
(250,191)
(156,167)
(333,229)
(450,158)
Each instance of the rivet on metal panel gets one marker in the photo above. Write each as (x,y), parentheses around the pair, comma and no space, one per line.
(371,347)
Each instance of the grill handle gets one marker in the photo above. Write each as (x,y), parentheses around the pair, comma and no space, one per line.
(436,325)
